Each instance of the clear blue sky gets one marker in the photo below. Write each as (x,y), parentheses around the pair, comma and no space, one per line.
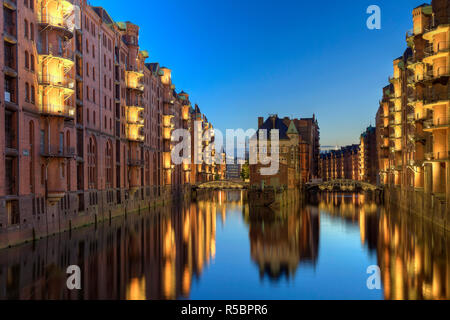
(240,59)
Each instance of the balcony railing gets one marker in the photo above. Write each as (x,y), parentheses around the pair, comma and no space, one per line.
(58,110)
(438,156)
(58,152)
(59,53)
(436,23)
(434,74)
(55,21)
(436,123)
(442,46)
(136,86)
(52,80)
(437,97)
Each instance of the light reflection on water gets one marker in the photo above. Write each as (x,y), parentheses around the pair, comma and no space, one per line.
(219,248)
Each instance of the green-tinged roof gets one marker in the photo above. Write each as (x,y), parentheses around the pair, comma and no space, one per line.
(292,129)
(145,53)
(428,10)
(122,25)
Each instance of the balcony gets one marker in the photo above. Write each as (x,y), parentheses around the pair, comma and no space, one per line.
(434,26)
(64,82)
(65,55)
(439,123)
(58,152)
(437,50)
(134,78)
(135,116)
(9,34)
(436,98)
(57,110)
(57,22)
(135,133)
(432,75)
(438,156)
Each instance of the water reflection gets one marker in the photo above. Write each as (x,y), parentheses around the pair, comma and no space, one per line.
(186,251)
(281,241)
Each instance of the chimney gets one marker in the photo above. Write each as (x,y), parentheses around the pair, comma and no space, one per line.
(260,122)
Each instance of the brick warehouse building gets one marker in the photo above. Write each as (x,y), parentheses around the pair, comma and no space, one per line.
(341,164)
(87,122)
(413,119)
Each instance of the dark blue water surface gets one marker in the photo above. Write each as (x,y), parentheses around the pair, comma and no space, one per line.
(219,248)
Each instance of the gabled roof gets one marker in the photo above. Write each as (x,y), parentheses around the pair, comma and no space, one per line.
(274,122)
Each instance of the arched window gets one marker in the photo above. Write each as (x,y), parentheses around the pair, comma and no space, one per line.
(109,165)
(92,163)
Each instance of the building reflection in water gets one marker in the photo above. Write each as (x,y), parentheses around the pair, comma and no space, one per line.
(162,253)
(413,254)
(281,241)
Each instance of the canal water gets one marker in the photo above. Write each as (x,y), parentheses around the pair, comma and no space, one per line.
(219,248)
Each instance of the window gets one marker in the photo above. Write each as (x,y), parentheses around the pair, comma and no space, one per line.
(32,94)
(32,62)
(26,29)
(61,143)
(109,165)
(31,145)
(27,92)
(32,31)
(92,163)
(10,175)
(42,141)
(27,60)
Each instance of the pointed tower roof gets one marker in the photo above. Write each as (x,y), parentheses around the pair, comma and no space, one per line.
(292,129)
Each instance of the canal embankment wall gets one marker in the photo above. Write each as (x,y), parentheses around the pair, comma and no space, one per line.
(76,210)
